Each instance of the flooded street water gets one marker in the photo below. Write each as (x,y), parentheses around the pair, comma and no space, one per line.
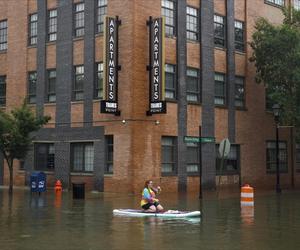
(48,222)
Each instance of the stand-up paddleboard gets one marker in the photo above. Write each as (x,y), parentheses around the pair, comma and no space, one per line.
(166,214)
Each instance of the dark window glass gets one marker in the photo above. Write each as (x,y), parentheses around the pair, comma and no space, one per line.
(32,78)
(168,10)
(219,26)
(52,25)
(51,94)
(82,157)
(297,4)
(109,154)
(220,89)
(193,85)
(239,36)
(239,91)
(3,35)
(79,19)
(101,12)
(192,27)
(99,81)
(193,162)
(298,157)
(168,155)
(231,164)
(171,85)
(271,157)
(44,156)
(2,90)
(78,83)
(275,2)
(33,18)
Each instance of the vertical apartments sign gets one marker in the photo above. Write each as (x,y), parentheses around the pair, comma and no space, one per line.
(109,104)
(157,102)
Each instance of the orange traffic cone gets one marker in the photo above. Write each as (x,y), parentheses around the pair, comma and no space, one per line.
(58,186)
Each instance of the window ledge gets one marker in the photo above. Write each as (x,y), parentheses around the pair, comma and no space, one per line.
(108,175)
(51,43)
(192,41)
(77,102)
(221,106)
(78,38)
(3,51)
(241,109)
(274,4)
(169,174)
(193,103)
(81,174)
(50,103)
(32,46)
(239,52)
(99,34)
(171,100)
(220,48)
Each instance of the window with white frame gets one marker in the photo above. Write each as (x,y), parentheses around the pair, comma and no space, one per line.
(52,25)
(101,12)
(31,90)
(78,87)
(82,157)
(79,20)
(98,93)
(168,10)
(220,89)
(231,164)
(51,93)
(3,35)
(271,157)
(33,19)
(192,85)
(239,35)
(192,26)
(193,159)
(170,79)
(219,30)
(168,155)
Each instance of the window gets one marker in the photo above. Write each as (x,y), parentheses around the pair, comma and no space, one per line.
(219,27)
(32,78)
(168,155)
(193,85)
(79,19)
(109,139)
(78,84)
(297,4)
(44,156)
(82,157)
(51,95)
(271,156)
(239,35)
(3,35)
(298,157)
(170,81)
(33,18)
(52,25)
(99,81)
(275,2)
(231,164)
(168,10)
(101,12)
(2,90)
(220,89)
(239,91)
(193,162)
(192,27)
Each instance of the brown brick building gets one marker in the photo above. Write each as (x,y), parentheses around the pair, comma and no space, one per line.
(51,51)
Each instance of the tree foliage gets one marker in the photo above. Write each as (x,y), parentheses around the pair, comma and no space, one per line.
(16,137)
(276,54)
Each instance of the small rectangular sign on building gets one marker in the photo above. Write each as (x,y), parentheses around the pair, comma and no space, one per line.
(197,139)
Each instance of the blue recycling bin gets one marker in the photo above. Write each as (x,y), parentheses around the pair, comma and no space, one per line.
(38,182)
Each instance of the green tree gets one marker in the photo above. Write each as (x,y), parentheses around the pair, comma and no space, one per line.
(16,137)
(276,54)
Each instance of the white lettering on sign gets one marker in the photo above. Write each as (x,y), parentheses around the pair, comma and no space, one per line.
(156,105)
(111,62)
(111,105)
(156,63)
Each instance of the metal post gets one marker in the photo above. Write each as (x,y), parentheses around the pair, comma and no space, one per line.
(200,163)
(278,190)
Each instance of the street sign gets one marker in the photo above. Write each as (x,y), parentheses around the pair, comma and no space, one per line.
(224,147)
(197,139)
